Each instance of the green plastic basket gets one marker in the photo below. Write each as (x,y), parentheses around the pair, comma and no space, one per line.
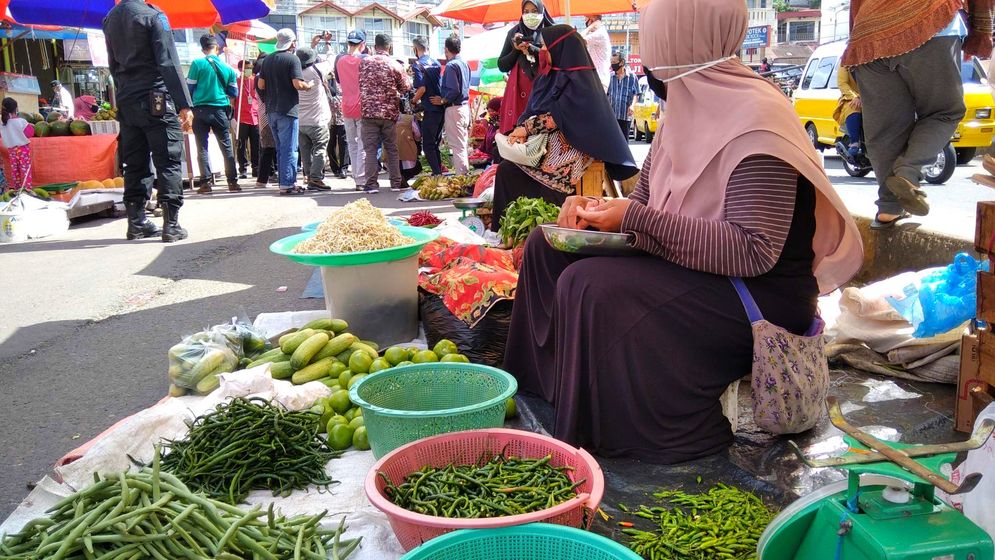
(419,238)
(535,540)
(403,404)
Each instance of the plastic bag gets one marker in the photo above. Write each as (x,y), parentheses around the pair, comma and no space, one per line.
(482,344)
(976,504)
(942,300)
(197,361)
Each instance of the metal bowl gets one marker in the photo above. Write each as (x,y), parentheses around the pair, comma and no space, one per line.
(468,203)
(586,242)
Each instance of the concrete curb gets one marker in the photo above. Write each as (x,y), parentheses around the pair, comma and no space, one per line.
(905,247)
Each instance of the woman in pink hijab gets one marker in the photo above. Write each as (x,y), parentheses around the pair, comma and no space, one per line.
(634,352)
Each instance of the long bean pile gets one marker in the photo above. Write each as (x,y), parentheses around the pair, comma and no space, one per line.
(250,444)
(723,523)
(152,514)
(502,486)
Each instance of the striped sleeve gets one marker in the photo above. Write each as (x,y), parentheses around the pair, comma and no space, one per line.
(759,205)
(642,192)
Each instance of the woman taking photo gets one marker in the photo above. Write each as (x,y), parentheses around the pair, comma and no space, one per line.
(635,351)
(569,108)
(520,60)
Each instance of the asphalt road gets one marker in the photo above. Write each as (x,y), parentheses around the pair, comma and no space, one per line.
(87,318)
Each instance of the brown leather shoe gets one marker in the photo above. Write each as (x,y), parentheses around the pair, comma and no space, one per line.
(205,188)
(233,187)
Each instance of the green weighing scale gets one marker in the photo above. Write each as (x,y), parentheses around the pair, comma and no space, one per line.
(469,218)
(885,510)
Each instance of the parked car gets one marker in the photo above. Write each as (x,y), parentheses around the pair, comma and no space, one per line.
(818,94)
(645,113)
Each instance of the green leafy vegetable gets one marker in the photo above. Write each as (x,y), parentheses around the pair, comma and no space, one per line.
(524,215)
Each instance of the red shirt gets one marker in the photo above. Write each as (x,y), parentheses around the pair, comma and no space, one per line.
(347,73)
(247,110)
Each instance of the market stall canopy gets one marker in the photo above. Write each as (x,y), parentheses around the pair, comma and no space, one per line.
(15,31)
(485,45)
(253,30)
(493,11)
(90,13)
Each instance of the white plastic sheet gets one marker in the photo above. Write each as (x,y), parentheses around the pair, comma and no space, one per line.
(977,504)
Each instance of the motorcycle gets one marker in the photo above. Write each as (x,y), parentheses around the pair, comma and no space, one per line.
(858,165)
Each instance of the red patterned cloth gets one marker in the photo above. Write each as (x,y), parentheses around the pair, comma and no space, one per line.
(470,279)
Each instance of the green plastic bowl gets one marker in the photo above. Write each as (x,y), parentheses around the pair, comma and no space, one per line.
(404,404)
(535,540)
(419,237)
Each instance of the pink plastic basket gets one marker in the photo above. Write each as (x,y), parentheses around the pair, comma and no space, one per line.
(464,448)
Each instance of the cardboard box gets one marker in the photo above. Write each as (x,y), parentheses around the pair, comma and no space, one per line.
(972,364)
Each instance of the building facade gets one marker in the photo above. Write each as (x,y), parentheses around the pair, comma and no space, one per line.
(403,20)
(799,27)
(835,21)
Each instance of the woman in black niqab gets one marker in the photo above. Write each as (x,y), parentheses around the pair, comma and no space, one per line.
(520,59)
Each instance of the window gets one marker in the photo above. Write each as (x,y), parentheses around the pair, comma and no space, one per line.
(801,31)
(809,72)
(372,26)
(826,70)
(278,21)
(311,25)
(782,32)
(414,29)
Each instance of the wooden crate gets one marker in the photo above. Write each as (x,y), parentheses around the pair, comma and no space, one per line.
(986,297)
(594,180)
(984,232)
(986,355)
(968,405)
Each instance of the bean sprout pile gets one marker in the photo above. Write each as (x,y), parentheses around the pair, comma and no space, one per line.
(358,226)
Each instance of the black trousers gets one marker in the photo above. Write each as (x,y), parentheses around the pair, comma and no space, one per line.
(338,149)
(624,125)
(205,120)
(431,133)
(248,148)
(142,136)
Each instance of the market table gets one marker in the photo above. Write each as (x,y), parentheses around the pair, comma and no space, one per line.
(62,159)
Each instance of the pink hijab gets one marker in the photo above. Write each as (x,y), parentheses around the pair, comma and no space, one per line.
(719,116)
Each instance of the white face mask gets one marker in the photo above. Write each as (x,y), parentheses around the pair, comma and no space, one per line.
(532,21)
(693,68)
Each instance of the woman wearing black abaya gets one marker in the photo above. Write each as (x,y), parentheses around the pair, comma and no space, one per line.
(520,60)
(567,101)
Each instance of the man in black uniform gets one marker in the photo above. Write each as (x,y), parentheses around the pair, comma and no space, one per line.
(154,111)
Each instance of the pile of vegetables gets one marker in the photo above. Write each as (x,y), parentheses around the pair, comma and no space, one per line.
(724,522)
(248,444)
(424,218)
(356,227)
(152,514)
(196,363)
(501,486)
(440,187)
(524,215)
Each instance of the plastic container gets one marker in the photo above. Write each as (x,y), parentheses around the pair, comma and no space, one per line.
(380,301)
(403,404)
(536,540)
(375,291)
(413,529)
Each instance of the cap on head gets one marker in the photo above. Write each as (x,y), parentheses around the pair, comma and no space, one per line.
(307,55)
(284,38)
(356,37)
(55,83)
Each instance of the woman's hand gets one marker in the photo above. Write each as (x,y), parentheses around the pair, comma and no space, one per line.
(518,136)
(856,103)
(568,212)
(605,216)
(520,45)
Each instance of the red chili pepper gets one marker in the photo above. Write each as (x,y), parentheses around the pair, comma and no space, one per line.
(625,523)
(423,218)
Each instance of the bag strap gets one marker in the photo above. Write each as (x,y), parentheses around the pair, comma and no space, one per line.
(749,304)
(221,79)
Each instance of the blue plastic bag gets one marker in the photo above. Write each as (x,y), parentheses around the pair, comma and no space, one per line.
(944,299)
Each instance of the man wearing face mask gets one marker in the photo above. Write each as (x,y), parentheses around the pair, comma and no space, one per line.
(599,46)
(622,90)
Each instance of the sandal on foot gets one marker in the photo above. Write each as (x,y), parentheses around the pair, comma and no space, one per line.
(913,198)
(879,224)
(292,191)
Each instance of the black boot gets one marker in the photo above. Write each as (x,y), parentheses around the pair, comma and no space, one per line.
(139,227)
(171,230)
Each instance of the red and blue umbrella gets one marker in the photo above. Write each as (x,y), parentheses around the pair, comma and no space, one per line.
(90,13)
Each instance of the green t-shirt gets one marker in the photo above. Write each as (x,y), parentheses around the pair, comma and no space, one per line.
(209,91)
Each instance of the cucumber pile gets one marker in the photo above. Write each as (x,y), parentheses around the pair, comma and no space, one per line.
(196,363)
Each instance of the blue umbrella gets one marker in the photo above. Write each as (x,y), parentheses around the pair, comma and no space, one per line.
(90,13)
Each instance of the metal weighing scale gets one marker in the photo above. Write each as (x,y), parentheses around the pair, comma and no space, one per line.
(470,219)
(885,510)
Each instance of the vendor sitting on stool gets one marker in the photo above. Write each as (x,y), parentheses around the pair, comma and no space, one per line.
(635,351)
(568,102)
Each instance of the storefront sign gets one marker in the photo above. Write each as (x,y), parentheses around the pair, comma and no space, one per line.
(758,36)
(77,49)
(98,48)
(636,64)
